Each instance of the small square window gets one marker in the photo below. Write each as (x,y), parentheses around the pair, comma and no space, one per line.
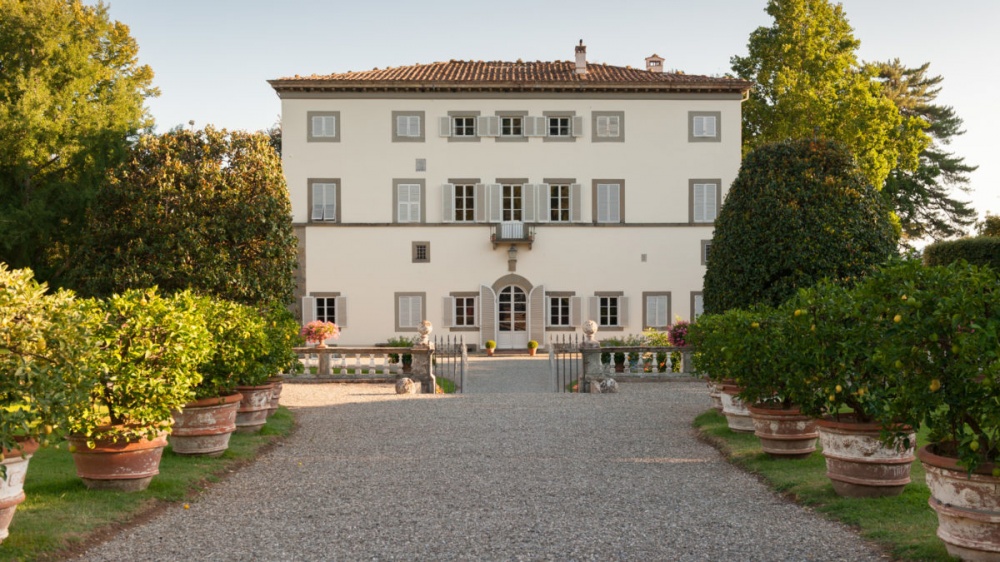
(703,126)
(511,127)
(559,126)
(407,126)
(607,126)
(706,247)
(463,127)
(421,252)
(323,126)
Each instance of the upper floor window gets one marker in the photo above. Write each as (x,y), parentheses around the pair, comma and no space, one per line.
(703,126)
(464,127)
(460,126)
(324,198)
(408,200)
(465,202)
(421,252)
(559,126)
(408,126)
(512,202)
(608,126)
(324,126)
(562,126)
(609,197)
(704,196)
(559,203)
(511,126)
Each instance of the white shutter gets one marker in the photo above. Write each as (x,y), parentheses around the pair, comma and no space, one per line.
(416,310)
(449,312)
(699,307)
(528,202)
(623,311)
(575,203)
(699,202)
(711,208)
(578,125)
(444,124)
(534,126)
(709,127)
(656,311)
(403,308)
(488,125)
(318,194)
(448,202)
(651,318)
(602,126)
(595,311)
(528,126)
(614,126)
(482,201)
(403,203)
(402,126)
(308,310)
(575,306)
(608,202)
(340,304)
(330,205)
(615,203)
(543,195)
(494,193)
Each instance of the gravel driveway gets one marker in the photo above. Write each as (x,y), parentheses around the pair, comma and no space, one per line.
(370,475)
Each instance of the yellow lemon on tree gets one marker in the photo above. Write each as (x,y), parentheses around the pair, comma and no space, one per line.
(897,318)
(974,446)
(899,364)
(861,392)
(755,325)
(798,312)
(839,388)
(954,348)
(833,398)
(935,385)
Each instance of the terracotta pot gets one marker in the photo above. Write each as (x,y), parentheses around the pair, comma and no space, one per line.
(857,462)
(967,505)
(489,351)
(784,432)
(15,461)
(278,383)
(715,395)
(737,415)
(203,427)
(532,351)
(125,465)
(252,413)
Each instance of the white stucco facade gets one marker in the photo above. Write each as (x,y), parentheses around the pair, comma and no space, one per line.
(361,259)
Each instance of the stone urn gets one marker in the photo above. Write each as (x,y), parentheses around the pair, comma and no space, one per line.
(15,462)
(252,412)
(125,465)
(737,414)
(859,464)
(784,432)
(203,427)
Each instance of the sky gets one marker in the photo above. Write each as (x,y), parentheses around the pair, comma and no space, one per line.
(212,58)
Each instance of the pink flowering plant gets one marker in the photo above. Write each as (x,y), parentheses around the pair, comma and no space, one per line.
(319,331)
(678,333)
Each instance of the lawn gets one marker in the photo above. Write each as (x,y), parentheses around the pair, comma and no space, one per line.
(904,526)
(60,515)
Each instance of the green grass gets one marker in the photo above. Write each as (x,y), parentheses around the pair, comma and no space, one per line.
(904,526)
(60,514)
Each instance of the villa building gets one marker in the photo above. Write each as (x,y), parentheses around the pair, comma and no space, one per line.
(506,200)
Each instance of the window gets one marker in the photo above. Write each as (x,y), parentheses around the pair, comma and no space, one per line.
(559,200)
(706,246)
(562,311)
(324,200)
(609,199)
(607,126)
(703,126)
(407,126)
(559,311)
(460,126)
(421,252)
(562,126)
(512,203)
(408,200)
(608,311)
(465,311)
(327,307)
(511,127)
(697,305)
(704,196)
(465,202)
(323,126)
(464,127)
(410,311)
(460,311)
(656,310)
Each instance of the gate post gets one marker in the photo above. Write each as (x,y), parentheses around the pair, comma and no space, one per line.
(590,348)
(423,359)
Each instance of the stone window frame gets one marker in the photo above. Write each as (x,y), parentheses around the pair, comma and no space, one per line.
(395,130)
(337,126)
(396,182)
(568,327)
(415,251)
(594,137)
(645,308)
(423,310)
(718,126)
(511,138)
(718,198)
(474,327)
(569,137)
(568,183)
(621,199)
(326,295)
(474,115)
(620,295)
(473,182)
(706,246)
(336,196)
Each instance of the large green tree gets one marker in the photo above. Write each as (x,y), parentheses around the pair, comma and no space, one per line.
(924,198)
(71,95)
(809,83)
(799,211)
(201,209)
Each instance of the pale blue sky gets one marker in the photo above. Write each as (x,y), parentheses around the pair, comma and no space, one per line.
(212,57)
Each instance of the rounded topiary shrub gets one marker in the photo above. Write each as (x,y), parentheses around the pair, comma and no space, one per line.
(799,211)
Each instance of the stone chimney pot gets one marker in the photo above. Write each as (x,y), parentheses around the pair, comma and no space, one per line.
(581,58)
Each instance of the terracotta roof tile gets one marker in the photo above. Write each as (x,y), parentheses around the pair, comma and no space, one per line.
(508,75)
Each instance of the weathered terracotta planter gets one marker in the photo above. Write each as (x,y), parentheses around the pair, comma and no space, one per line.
(715,394)
(252,412)
(278,383)
(968,506)
(858,464)
(125,466)
(203,427)
(784,432)
(12,486)
(737,415)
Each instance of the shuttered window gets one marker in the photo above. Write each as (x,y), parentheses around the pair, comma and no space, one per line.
(608,126)
(657,310)
(608,199)
(324,126)
(704,126)
(704,201)
(409,311)
(324,202)
(408,126)
(408,202)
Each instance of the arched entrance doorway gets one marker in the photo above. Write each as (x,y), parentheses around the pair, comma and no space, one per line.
(512,318)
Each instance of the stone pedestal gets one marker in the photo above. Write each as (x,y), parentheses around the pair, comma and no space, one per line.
(423,367)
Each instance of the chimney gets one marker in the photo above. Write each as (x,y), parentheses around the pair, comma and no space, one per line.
(581,58)
(654,64)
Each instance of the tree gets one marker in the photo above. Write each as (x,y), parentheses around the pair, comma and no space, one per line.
(799,211)
(921,197)
(71,95)
(201,209)
(990,226)
(809,83)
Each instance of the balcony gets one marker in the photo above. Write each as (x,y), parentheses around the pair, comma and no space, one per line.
(512,232)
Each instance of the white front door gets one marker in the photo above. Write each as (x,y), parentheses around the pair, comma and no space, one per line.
(512,318)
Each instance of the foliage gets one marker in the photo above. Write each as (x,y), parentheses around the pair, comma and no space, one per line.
(981,250)
(402,341)
(239,342)
(490,344)
(281,331)
(319,331)
(677,333)
(797,212)
(71,96)
(619,355)
(42,339)
(990,226)
(532,344)
(147,353)
(204,210)
(809,83)
(922,197)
